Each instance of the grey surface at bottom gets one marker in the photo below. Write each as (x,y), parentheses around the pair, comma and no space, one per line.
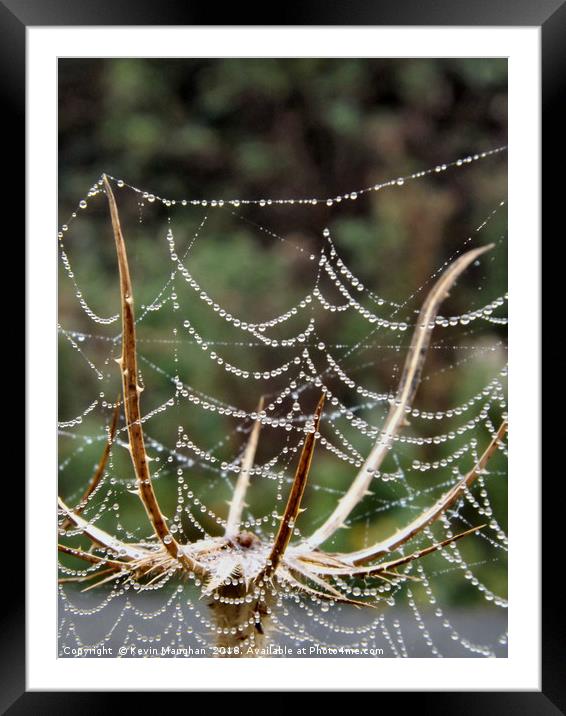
(145,626)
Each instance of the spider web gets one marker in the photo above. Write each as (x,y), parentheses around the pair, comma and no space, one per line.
(288,357)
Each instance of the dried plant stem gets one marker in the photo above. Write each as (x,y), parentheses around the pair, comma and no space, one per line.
(385,567)
(408,386)
(99,472)
(92,558)
(421,553)
(328,593)
(237,502)
(432,513)
(132,390)
(100,537)
(87,578)
(295,496)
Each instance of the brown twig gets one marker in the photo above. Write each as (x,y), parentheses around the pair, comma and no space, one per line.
(99,472)
(87,578)
(385,567)
(295,496)
(100,537)
(92,558)
(237,503)
(432,513)
(408,385)
(132,390)
(420,553)
(286,576)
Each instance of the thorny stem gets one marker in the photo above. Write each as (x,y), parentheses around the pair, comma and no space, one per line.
(420,553)
(92,558)
(295,496)
(132,390)
(386,567)
(100,537)
(97,476)
(329,593)
(237,502)
(433,513)
(408,385)
(88,577)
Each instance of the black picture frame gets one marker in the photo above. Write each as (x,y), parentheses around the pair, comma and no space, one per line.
(550,16)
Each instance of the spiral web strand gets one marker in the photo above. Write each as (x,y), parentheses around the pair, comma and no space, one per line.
(162,613)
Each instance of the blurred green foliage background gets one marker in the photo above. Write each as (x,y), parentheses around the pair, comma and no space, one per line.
(230,128)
